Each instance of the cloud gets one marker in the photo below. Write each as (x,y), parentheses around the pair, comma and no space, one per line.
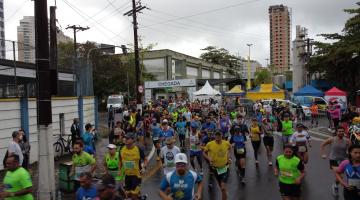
(226,23)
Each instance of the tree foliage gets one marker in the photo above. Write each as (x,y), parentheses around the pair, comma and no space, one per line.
(262,76)
(339,61)
(222,57)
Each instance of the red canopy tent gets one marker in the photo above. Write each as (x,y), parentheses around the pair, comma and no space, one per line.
(335,92)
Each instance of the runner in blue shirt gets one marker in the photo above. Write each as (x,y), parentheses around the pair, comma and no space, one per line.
(87,189)
(238,142)
(181,182)
(88,139)
(156,134)
(180,127)
(166,132)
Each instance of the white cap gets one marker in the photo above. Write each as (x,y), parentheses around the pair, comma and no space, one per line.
(111,146)
(181,158)
(165,121)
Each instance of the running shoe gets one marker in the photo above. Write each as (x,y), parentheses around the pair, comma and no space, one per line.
(243,181)
(270,164)
(335,189)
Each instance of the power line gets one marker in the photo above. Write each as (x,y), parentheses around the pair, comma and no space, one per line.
(16,11)
(100,11)
(206,12)
(81,14)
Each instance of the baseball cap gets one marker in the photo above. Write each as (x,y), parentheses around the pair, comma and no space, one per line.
(129,135)
(181,158)
(165,121)
(107,181)
(111,146)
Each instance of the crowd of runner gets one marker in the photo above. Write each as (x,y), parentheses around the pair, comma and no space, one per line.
(187,137)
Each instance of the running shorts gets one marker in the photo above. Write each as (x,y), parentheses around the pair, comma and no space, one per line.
(132,184)
(239,156)
(268,141)
(290,190)
(334,163)
(195,153)
(220,177)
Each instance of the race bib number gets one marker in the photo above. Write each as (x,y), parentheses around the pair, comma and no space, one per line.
(170,164)
(286,173)
(179,194)
(129,164)
(240,150)
(222,170)
(354,182)
(302,149)
(155,138)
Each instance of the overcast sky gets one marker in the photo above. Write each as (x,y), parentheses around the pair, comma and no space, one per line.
(187,25)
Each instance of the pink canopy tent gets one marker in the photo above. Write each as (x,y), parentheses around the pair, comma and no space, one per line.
(335,94)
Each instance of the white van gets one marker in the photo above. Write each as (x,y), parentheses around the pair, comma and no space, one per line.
(116,101)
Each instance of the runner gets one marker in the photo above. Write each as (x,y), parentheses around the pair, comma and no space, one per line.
(287,129)
(156,132)
(166,132)
(87,189)
(300,139)
(195,147)
(238,143)
(112,164)
(106,189)
(130,158)
(217,153)
(290,171)
(17,183)
(314,108)
(268,139)
(338,153)
(355,131)
(181,182)
(225,125)
(255,132)
(88,139)
(180,128)
(168,154)
(82,162)
(351,168)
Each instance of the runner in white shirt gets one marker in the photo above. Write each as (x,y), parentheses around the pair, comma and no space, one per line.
(301,140)
(195,147)
(167,155)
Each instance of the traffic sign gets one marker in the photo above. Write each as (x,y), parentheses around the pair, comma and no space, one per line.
(141,89)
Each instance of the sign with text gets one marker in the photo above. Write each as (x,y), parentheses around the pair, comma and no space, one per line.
(170,83)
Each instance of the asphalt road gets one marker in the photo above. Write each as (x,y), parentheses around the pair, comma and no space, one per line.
(261,183)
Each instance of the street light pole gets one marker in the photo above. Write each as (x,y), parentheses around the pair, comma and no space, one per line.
(249,70)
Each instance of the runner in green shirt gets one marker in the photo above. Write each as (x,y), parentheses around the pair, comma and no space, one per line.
(82,162)
(287,129)
(17,183)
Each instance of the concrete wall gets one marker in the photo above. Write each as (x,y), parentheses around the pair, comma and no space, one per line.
(10,119)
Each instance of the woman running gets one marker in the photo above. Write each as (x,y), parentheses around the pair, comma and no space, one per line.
(301,140)
(351,168)
(268,139)
(237,141)
(255,132)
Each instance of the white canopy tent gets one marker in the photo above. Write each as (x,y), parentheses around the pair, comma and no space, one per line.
(207,92)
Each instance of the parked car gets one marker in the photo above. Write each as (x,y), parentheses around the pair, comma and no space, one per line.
(308,100)
(116,102)
(305,109)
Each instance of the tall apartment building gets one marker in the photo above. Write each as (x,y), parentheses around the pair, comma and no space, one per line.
(26,39)
(280,33)
(2,30)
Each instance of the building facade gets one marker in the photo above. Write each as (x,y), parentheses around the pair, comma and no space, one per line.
(280,35)
(26,39)
(254,66)
(2,31)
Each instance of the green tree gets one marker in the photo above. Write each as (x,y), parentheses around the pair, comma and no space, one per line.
(261,77)
(339,61)
(222,57)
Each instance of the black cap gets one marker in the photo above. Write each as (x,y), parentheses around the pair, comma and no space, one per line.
(107,181)
(130,135)
(218,132)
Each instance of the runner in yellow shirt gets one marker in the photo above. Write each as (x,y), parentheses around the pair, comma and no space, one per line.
(130,159)
(217,152)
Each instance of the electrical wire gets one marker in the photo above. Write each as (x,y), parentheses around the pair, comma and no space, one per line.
(16,11)
(100,11)
(205,12)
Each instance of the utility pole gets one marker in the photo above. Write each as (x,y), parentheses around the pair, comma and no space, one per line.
(15,75)
(248,85)
(46,178)
(77,83)
(76,29)
(53,51)
(136,9)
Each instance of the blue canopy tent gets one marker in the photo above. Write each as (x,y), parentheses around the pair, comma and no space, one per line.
(309,90)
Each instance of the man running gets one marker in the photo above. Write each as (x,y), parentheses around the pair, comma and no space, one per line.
(180,127)
(238,143)
(287,129)
(112,163)
(130,158)
(82,162)
(168,154)
(166,132)
(195,147)
(338,152)
(217,153)
(87,189)
(17,181)
(155,134)
(181,182)
(290,171)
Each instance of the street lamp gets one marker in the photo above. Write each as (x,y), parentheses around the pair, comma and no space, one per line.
(249,69)
(90,69)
